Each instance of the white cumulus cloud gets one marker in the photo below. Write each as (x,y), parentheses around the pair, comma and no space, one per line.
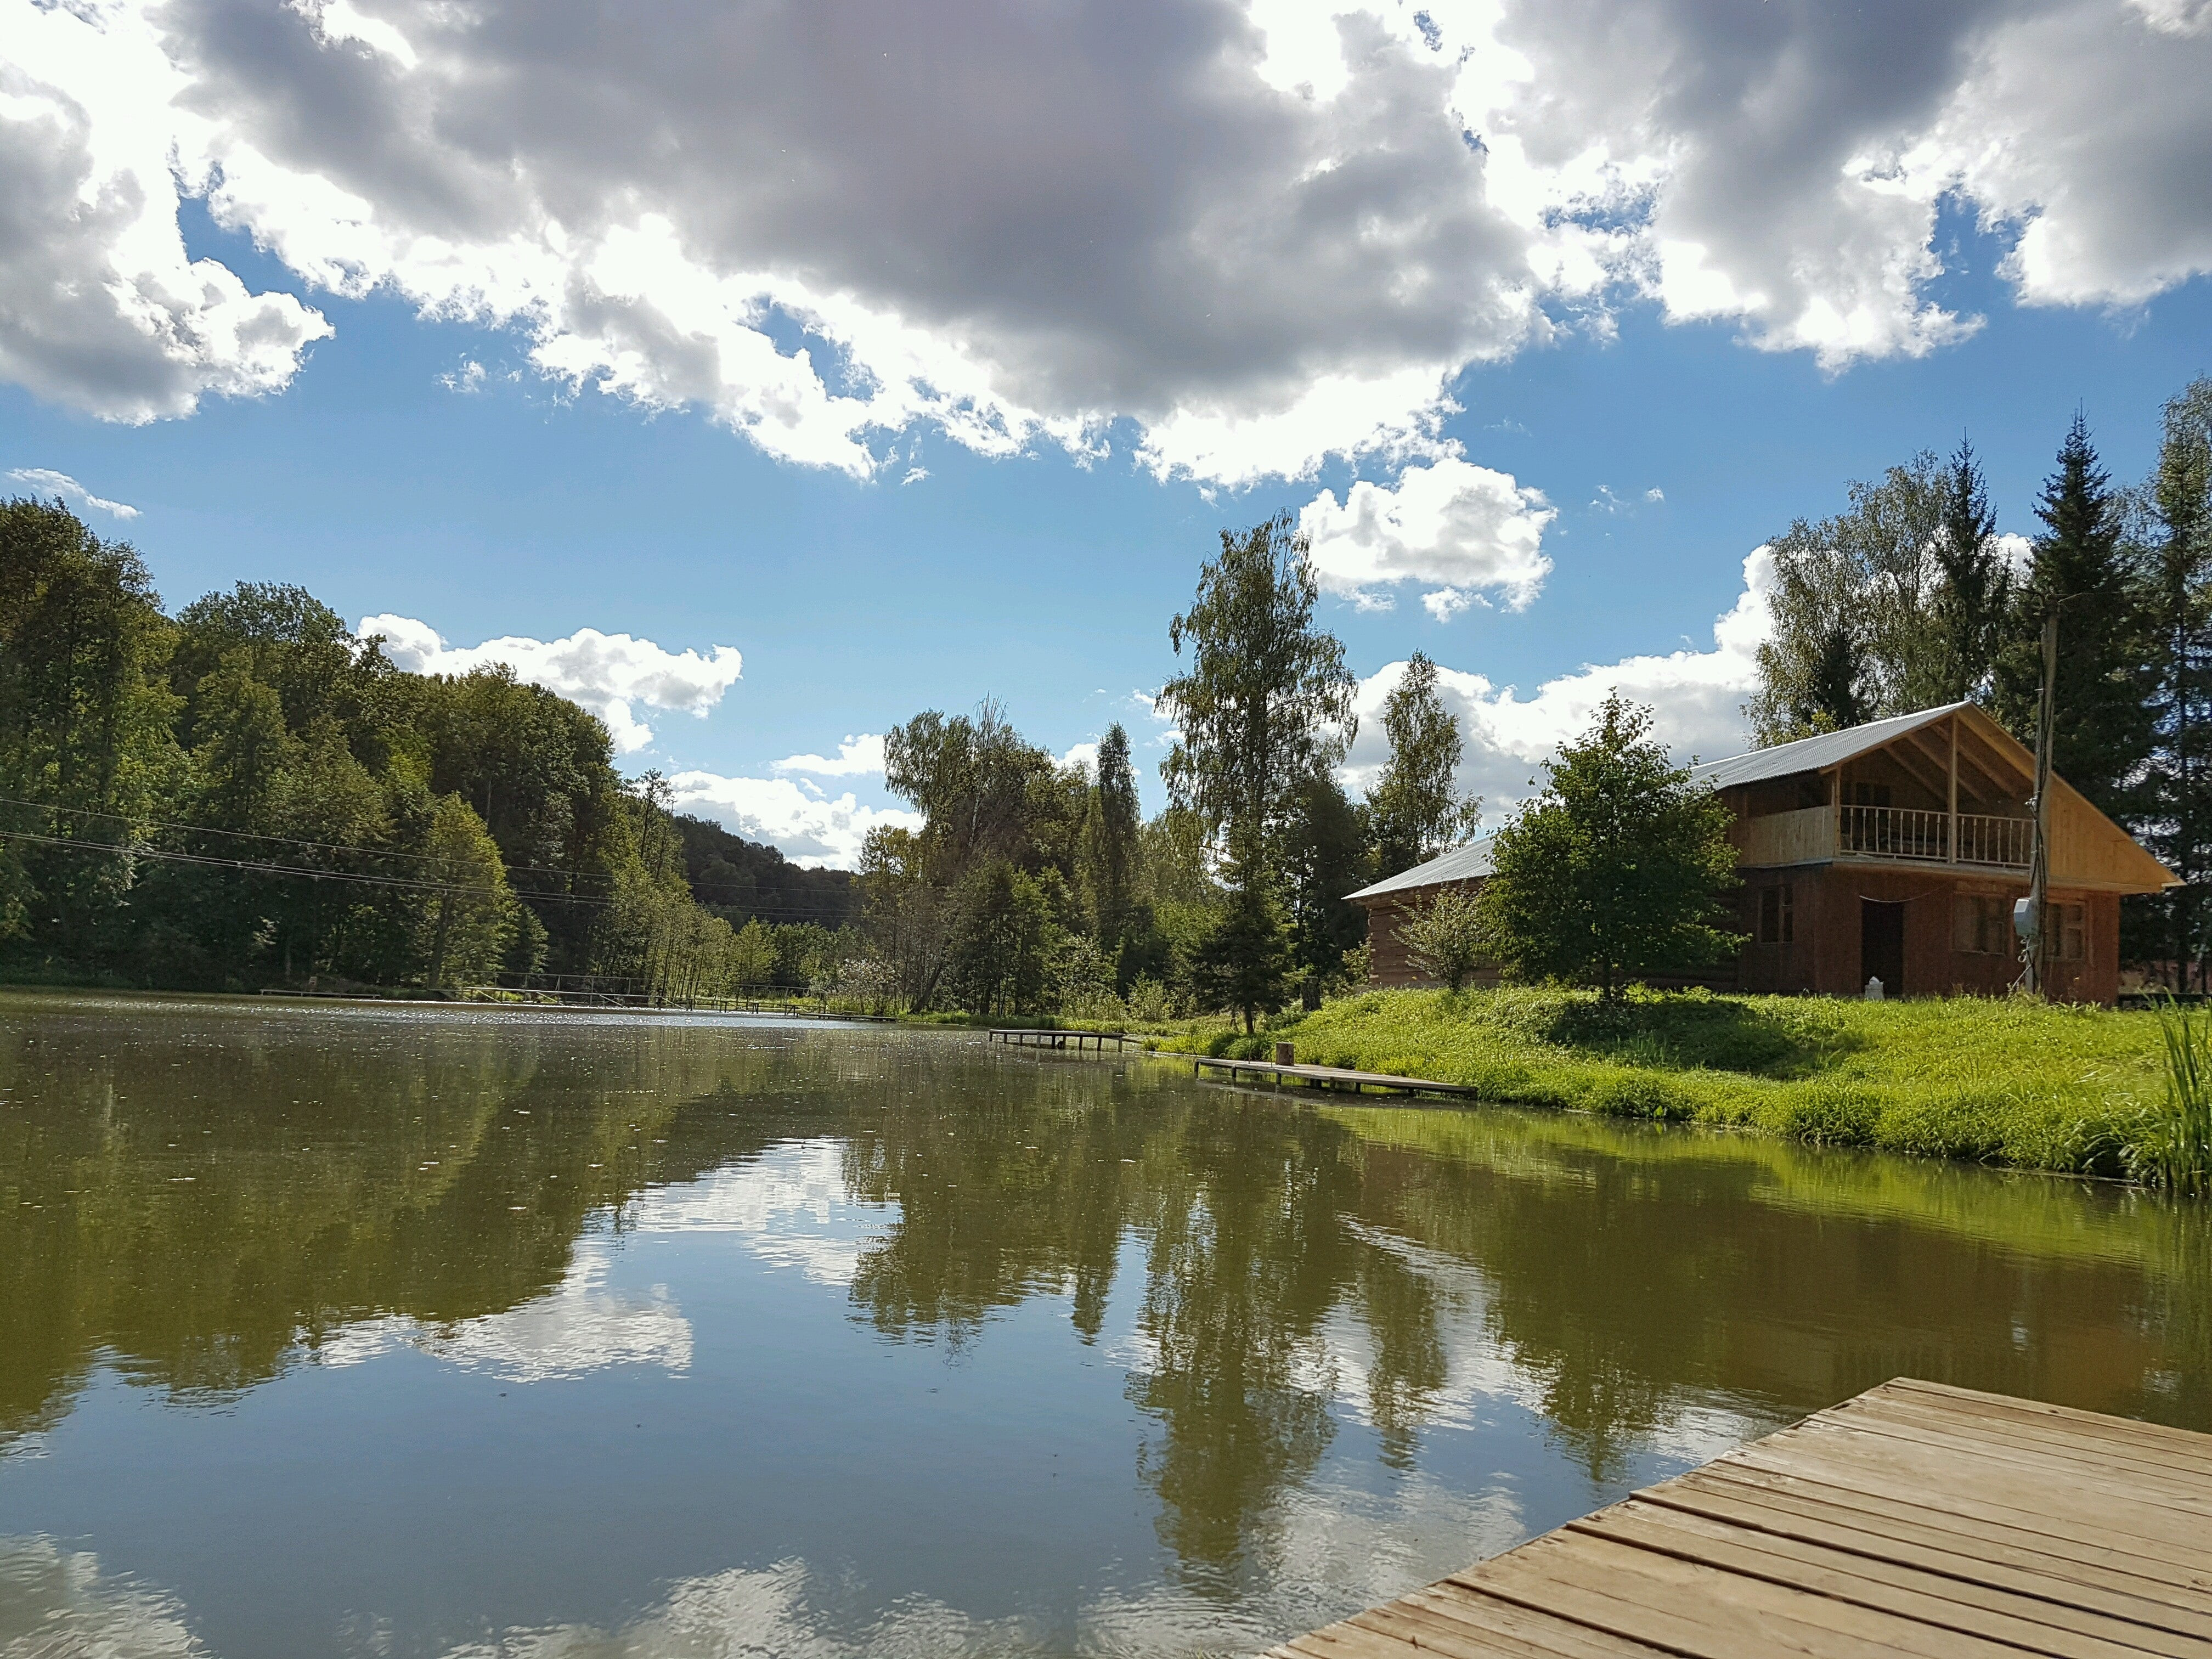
(606,673)
(1697,697)
(809,827)
(60,483)
(1235,239)
(1450,523)
(859,756)
(101,306)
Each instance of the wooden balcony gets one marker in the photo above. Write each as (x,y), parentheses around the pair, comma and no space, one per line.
(1818,834)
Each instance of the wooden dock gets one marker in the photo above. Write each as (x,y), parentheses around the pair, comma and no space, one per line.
(1328,1077)
(1914,1519)
(1023,1038)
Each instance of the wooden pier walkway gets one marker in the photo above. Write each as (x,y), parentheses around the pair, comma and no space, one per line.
(1023,1038)
(1914,1519)
(1329,1077)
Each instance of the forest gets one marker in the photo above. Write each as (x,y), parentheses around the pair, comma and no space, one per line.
(243,796)
(1913,597)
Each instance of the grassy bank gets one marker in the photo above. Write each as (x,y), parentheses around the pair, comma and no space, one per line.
(2012,1082)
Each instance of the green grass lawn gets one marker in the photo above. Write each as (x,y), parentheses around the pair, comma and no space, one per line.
(2028,1084)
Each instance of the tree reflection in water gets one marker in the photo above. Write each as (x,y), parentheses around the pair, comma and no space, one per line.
(206,1195)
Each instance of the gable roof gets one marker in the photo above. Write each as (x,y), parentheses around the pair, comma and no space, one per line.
(2089,849)
(1816,753)
(1470,863)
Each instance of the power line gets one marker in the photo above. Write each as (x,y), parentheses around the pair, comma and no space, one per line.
(207,862)
(287,840)
(203,860)
(793,908)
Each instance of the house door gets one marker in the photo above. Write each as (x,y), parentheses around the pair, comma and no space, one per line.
(1882,946)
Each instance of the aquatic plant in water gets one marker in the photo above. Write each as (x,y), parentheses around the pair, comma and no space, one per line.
(2174,1147)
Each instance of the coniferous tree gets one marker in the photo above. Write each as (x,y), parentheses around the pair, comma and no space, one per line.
(2177,600)
(2081,571)
(1972,590)
(1417,810)
(1325,856)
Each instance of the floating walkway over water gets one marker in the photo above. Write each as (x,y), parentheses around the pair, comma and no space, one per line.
(1914,1519)
(1025,1037)
(1328,1077)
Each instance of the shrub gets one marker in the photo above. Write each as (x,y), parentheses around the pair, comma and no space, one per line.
(1445,936)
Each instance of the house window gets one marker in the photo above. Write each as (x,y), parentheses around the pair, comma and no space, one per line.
(1777,920)
(1982,923)
(2069,933)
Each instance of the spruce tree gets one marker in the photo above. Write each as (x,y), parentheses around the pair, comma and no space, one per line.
(1972,589)
(2177,600)
(1324,857)
(2102,723)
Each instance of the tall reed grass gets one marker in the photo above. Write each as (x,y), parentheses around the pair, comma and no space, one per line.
(2174,1147)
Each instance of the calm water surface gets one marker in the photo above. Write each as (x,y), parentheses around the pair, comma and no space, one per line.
(394,1332)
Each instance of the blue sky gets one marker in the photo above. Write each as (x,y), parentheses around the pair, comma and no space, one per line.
(421,464)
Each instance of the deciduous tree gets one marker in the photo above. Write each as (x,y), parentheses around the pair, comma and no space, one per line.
(1265,705)
(1416,806)
(1852,637)
(1615,871)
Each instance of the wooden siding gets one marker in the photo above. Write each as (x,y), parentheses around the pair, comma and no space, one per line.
(1390,966)
(2088,849)
(1803,837)
(1826,911)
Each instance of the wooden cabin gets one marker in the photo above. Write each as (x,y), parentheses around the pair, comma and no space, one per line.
(1891,851)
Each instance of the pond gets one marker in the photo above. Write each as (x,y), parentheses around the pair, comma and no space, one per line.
(407,1331)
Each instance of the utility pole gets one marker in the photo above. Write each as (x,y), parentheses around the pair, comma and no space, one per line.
(2033,928)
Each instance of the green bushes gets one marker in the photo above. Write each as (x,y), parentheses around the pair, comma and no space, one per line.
(2022,1084)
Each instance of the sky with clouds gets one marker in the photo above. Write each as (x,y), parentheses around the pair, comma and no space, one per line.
(766,374)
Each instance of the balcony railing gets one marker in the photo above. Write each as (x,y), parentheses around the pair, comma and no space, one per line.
(1886,832)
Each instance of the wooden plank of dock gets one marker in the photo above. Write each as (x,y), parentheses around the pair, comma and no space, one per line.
(1915,1518)
(1330,1077)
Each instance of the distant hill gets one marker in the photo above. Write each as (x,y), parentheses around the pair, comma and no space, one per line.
(741,879)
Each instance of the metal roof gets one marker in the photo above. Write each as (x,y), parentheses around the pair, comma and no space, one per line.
(1467,863)
(1815,754)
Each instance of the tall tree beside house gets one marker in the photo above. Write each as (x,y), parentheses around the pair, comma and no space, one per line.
(1614,871)
(1972,587)
(1325,856)
(1265,704)
(1415,805)
(2081,569)
(2175,514)
(1852,638)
